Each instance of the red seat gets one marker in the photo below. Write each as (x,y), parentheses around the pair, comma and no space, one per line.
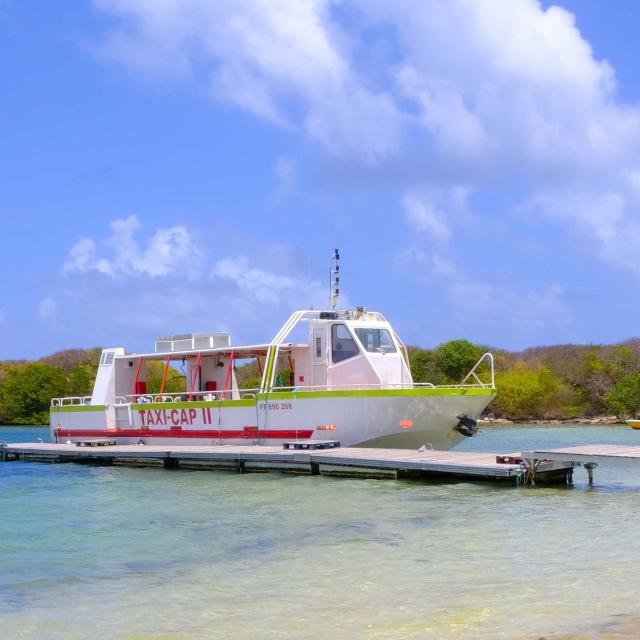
(141,388)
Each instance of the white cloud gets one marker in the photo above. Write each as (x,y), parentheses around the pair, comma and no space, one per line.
(489,302)
(266,287)
(431,211)
(82,258)
(510,83)
(285,171)
(426,217)
(458,92)
(477,305)
(166,252)
(279,60)
(250,301)
(510,80)
(605,221)
(47,308)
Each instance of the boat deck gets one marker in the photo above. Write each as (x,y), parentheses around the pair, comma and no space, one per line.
(347,461)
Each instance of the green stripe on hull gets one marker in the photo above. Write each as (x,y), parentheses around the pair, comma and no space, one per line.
(373,393)
(288,395)
(72,408)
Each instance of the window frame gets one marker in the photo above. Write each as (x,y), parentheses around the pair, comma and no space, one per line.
(333,340)
(374,351)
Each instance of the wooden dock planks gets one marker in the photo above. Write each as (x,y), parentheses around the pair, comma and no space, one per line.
(347,461)
(585,454)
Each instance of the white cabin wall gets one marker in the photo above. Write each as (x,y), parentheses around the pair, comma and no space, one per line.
(189,367)
(235,393)
(104,385)
(212,373)
(355,371)
(125,374)
(407,378)
(302,360)
(390,368)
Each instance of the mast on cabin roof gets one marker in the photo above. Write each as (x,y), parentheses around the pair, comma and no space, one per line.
(334,280)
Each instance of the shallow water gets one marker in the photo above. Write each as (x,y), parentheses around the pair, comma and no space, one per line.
(108,552)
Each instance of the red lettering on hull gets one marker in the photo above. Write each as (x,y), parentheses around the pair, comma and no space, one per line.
(173,417)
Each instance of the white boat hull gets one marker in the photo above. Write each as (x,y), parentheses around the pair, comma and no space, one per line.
(402,419)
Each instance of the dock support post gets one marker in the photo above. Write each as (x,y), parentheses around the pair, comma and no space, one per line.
(170,463)
(590,466)
(532,464)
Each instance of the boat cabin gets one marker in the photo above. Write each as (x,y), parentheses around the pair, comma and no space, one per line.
(344,350)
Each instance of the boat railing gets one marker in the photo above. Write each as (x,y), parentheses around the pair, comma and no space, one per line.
(186,396)
(471,381)
(473,374)
(380,387)
(250,394)
(71,401)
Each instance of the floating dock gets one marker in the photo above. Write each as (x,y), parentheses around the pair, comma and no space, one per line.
(337,461)
(587,456)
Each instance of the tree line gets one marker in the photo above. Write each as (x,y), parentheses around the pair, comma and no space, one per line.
(26,388)
(561,381)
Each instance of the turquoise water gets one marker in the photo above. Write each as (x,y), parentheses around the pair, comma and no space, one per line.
(109,552)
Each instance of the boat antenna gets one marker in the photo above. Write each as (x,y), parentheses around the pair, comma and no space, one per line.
(334,280)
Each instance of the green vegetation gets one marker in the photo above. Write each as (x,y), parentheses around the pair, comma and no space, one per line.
(26,388)
(624,398)
(456,358)
(26,392)
(155,370)
(524,392)
(563,381)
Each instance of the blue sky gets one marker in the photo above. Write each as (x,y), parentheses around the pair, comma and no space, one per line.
(170,166)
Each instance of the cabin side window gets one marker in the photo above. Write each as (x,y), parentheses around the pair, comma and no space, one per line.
(343,346)
(376,340)
(107,357)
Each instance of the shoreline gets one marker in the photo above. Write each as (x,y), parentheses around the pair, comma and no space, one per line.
(601,421)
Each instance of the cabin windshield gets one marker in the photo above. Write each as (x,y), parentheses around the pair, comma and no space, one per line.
(376,340)
(343,346)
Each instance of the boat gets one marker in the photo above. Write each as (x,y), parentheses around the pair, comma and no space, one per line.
(347,381)
(634,424)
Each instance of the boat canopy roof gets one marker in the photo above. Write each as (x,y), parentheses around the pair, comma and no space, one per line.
(239,353)
(183,346)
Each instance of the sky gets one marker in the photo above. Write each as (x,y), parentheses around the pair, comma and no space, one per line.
(169,166)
